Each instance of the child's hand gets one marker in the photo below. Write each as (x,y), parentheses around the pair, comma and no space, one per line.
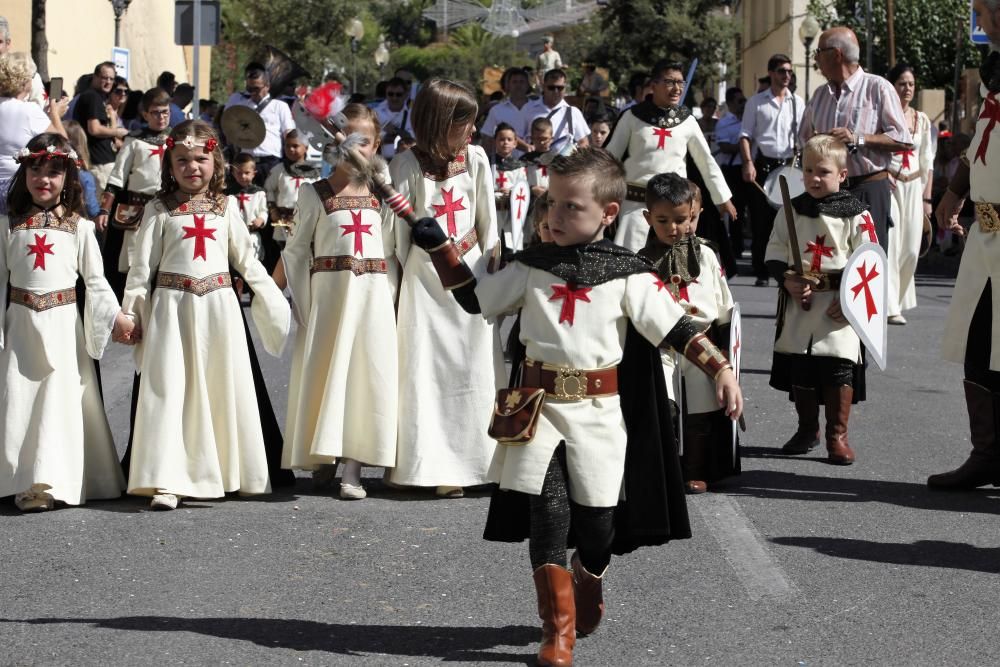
(101,222)
(799,288)
(257,223)
(729,394)
(124,329)
(835,313)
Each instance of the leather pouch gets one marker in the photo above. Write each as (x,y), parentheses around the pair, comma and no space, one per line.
(127,216)
(515,415)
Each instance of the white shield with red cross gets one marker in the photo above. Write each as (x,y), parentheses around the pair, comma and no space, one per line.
(520,198)
(735,358)
(864,296)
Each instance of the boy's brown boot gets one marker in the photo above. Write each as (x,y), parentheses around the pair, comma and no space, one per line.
(837,401)
(557,609)
(589,595)
(983,465)
(694,461)
(806,437)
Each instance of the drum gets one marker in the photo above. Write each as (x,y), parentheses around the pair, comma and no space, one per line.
(796,186)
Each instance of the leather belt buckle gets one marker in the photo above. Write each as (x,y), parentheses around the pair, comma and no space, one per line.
(570,384)
(988,217)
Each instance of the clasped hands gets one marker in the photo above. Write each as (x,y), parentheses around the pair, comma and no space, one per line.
(126,331)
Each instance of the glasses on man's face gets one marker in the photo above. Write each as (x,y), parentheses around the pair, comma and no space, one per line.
(161,112)
(783,71)
(670,83)
(820,50)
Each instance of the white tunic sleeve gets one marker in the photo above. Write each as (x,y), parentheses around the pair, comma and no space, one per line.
(101,302)
(777,244)
(147,253)
(503,292)
(709,168)
(389,223)
(486,212)
(298,253)
(270,309)
(401,176)
(926,156)
(723,296)
(619,139)
(653,310)
(123,164)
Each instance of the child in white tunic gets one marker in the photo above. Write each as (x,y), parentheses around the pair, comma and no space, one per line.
(577,298)
(197,428)
(448,363)
(342,400)
(55,443)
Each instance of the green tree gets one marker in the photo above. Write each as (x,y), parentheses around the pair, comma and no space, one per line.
(925,33)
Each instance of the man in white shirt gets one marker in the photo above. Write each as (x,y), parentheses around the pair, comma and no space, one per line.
(768,138)
(548,59)
(394,116)
(277,117)
(567,121)
(515,85)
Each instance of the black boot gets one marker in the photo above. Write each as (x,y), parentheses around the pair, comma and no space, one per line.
(694,461)
(983,465)
(806,437)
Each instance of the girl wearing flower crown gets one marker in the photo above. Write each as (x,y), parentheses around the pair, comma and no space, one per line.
(55,443)
(197,428)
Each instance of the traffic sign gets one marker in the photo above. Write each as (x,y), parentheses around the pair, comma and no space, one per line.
(977,34)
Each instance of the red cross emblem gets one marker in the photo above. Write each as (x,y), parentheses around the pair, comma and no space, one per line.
(157,151)
(40,250)
(682,291)
(520,199)
(866,278)
(868,226)
(357,229)
(448,209)
(907,154)
(818,251)
(991,111)
(298,181)
(661,133)
(661,285)
(244,198)
(199,233)
(569,295)
(544,170)
(501,179)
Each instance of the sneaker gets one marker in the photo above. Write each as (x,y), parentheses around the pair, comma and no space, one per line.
(449,492)
(898,320)
(164,502)
(35,499)
(352,491)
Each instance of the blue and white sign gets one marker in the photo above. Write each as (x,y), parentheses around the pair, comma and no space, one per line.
(120,57)
(977,34)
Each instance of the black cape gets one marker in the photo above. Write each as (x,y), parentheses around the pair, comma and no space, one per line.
(654,508)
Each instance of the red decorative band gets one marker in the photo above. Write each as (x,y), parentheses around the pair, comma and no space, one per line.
(467,242)
(347,263)
(196,286)
(400,205)
(40,302)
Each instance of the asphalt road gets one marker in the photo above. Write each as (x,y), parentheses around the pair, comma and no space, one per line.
(795,562)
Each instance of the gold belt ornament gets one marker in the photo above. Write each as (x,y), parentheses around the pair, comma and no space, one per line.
(988,216)
(40,302)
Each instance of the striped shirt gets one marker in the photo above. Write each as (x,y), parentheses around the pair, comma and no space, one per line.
(867,104)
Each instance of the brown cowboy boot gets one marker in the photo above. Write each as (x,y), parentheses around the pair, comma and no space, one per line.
(694,460)
(806,437)
(837,401)
(983,465)
(589,596)
(557,609)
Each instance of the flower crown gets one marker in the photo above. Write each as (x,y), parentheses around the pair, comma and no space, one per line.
(189,142)
(49,152)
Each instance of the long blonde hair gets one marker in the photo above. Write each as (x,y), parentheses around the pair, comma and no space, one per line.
(78,139)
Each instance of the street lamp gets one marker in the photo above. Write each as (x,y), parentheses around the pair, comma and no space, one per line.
(119,7)
(807,33)
(381,55)
(355,29)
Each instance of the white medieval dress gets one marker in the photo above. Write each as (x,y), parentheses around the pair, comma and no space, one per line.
(910,168)
(580,328)
(449,361)
(651,140)
(197,428)
(342,392)
(56,437)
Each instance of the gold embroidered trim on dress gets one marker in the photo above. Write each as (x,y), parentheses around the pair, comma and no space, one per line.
(37,221)
(347,263)
(332,202)
(459,165)
(40,302)
(196,286)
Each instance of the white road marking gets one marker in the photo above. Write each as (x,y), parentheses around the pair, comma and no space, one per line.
(743,547)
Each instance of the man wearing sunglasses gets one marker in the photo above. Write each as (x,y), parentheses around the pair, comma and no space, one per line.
(863,111)
(277,117)
(91,111)
(394,116)
(768,139)
(568,123)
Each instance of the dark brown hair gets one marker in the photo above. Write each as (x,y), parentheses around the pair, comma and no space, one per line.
(439,105)
(154,97)
(606,173)
(19,200)
(201,131)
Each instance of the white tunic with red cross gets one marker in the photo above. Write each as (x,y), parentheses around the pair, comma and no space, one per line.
(825,243)
(981,256)
(582,328)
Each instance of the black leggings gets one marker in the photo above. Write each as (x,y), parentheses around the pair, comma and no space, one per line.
(551,512)
(979,344)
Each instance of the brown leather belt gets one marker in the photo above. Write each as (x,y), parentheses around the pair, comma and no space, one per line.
(854,181)
(828,282)
(906,178)
(347,263)
(988,216)
(467,242)
(569,384)
(634,192)
(40,302)
(196,286)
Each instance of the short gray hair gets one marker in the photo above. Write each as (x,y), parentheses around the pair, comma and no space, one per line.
(847,46)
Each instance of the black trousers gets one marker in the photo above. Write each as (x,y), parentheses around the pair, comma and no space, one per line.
(734,179)
(979,344)
(878,196)
(761,216)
